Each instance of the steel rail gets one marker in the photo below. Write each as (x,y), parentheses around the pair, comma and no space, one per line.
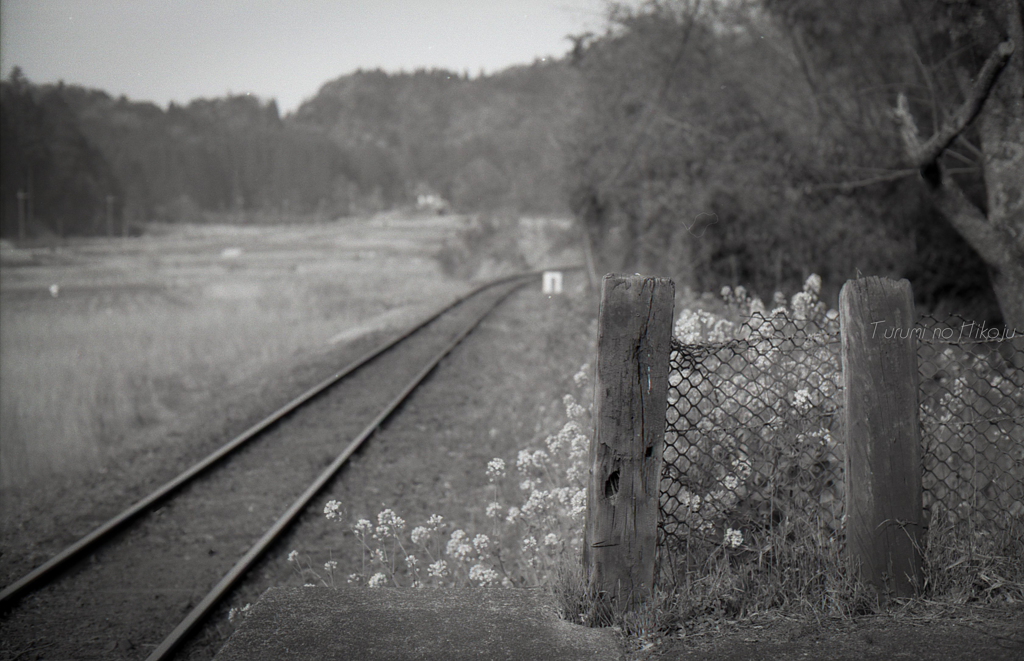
(37,577)
(195,617)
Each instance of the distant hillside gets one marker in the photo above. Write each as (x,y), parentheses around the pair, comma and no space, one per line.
(368,141)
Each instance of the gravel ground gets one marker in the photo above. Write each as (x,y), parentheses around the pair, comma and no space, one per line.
(969,634)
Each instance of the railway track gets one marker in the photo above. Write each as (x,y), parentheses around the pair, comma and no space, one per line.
(261,481)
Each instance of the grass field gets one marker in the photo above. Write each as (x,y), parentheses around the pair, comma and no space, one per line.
(103,339)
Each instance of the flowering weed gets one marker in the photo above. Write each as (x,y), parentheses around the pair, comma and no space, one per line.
(534,519)
(753,491)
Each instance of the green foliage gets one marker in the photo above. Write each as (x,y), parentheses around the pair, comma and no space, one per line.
(764,117)
(62,178)
(367,142)
(489,242)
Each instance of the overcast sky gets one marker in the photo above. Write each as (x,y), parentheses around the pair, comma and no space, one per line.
(177,50)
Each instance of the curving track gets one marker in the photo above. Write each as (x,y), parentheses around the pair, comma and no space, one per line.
(261,481)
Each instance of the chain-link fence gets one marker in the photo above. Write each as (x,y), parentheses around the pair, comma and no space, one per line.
(972,420)
(755,431)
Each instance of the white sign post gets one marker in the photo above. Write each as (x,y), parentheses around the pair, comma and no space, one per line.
(552,283)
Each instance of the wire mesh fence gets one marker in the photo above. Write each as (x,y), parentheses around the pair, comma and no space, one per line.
(972,421)
(755,431)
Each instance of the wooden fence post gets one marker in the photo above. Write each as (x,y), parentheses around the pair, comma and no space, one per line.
(631,395)
(883,447)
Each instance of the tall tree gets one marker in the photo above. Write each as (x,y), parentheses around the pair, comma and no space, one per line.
(954,68)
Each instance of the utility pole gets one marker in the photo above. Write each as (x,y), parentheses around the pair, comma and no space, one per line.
(110,215)
(21,214)
(29,194)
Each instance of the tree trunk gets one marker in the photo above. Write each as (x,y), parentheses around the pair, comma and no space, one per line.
(1002,141)
(997,101)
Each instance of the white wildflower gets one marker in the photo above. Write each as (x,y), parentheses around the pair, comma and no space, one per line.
(330,565)
(389,520)
(354,578)
(495,469)
(458,546)
(238,612)
(293,556)
(530,544)
(536,503)
(493,510)
(420,535)
(438,569)
(579,503)
(362,527)
(377,580)
(813,284)
(802,400)
(572,409)
(551,539)
(513,514)
(731,482)
(435,521)
(333,510)
(485,576)
(733,538)
(481,543)
(523,460)
(411,561)
(580,378)
(802,303)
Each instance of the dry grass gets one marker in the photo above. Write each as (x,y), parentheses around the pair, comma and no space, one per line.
(142,330)
(968,563)
(972,573)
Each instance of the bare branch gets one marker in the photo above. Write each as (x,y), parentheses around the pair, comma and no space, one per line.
(921,154)
(960,157)
(847,186)
(971,147)
(970,222)
(927,81)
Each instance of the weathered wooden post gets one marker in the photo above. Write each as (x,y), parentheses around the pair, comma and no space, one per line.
(883,447)
(631,395)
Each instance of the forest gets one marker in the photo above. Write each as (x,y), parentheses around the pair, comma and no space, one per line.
(719,143)
(366,142)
